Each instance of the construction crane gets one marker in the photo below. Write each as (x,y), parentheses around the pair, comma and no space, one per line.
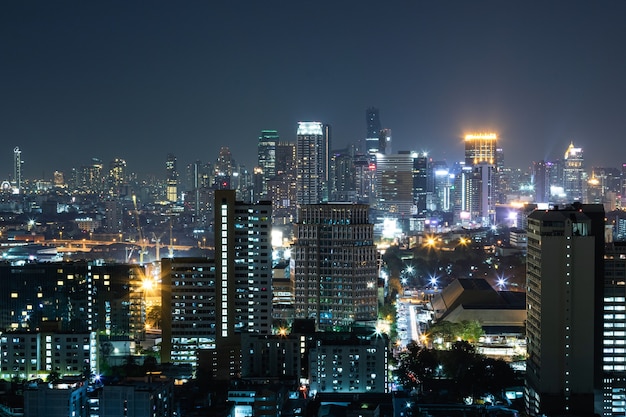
(142,243)
(157,240)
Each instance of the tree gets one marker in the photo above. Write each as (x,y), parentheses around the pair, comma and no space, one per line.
(471,331)
(153,316)
(417,365)
(53,376)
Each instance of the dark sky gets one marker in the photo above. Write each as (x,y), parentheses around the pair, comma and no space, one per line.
(131,79)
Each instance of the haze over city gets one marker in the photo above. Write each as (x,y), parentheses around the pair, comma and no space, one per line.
(141,80)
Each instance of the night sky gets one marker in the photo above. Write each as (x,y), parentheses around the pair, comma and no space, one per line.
(138,80)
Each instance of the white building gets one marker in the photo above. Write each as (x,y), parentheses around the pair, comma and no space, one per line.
(349,362)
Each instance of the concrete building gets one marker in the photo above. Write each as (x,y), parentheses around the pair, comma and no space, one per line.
(267,159)
(208,303)
(147,397)
(574,175)
(312,156)
(335,265)
(66,397)
(475,299)
(565,273)
(349,362)
(614,330)
(394,183)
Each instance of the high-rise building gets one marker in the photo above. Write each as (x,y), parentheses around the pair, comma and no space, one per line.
(614,331)
(384,141)
(421,175)
(243,246)
(335,265)
(117,175)
(541,182)
(286,158)
(267,158)
(574,176)
(342,184)
(394,183)
(482,154)
(480,147)
(89,178)
(172,178)
(17,169)
(311,151)
(565,274)
(207,303)
(373,128)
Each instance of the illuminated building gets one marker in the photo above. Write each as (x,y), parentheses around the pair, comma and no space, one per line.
(574,176)
(172,178)
(480,147)
(117,175)
(30,354)
(191,310)
(66,397)
(372,134)
(282,194)
(422,181)
(224,166)
(481,154)
(541,181)
(97,299)
(276,357)
(243,246)
(335,265)
(614,328)
(311,151)
(90,178)
(365,179)
(564,277)
(208,303)
(342,183)
(384,141)
(394,183)
(17,169)
(349,363)
(267,159)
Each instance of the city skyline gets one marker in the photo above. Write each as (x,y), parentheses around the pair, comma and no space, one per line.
(121,80)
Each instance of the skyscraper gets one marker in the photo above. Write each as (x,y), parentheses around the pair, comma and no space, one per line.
(394,183)
(574,176)
(480,147)
(172,178)
(207,303)
(17,169)
(373,127)
(614,331)
(335,265)
(310,162)
(565,273)
(421,174)
(267,158)
(541,182)
(481,154)
(117,175)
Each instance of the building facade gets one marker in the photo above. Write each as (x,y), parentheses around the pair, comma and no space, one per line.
(267,159)
(208,303)
(311,163)
(564,316)
(335,265)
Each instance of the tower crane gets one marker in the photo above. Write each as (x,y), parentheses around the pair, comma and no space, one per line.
(142,243)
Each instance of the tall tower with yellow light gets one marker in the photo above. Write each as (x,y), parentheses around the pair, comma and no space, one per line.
(481,187)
